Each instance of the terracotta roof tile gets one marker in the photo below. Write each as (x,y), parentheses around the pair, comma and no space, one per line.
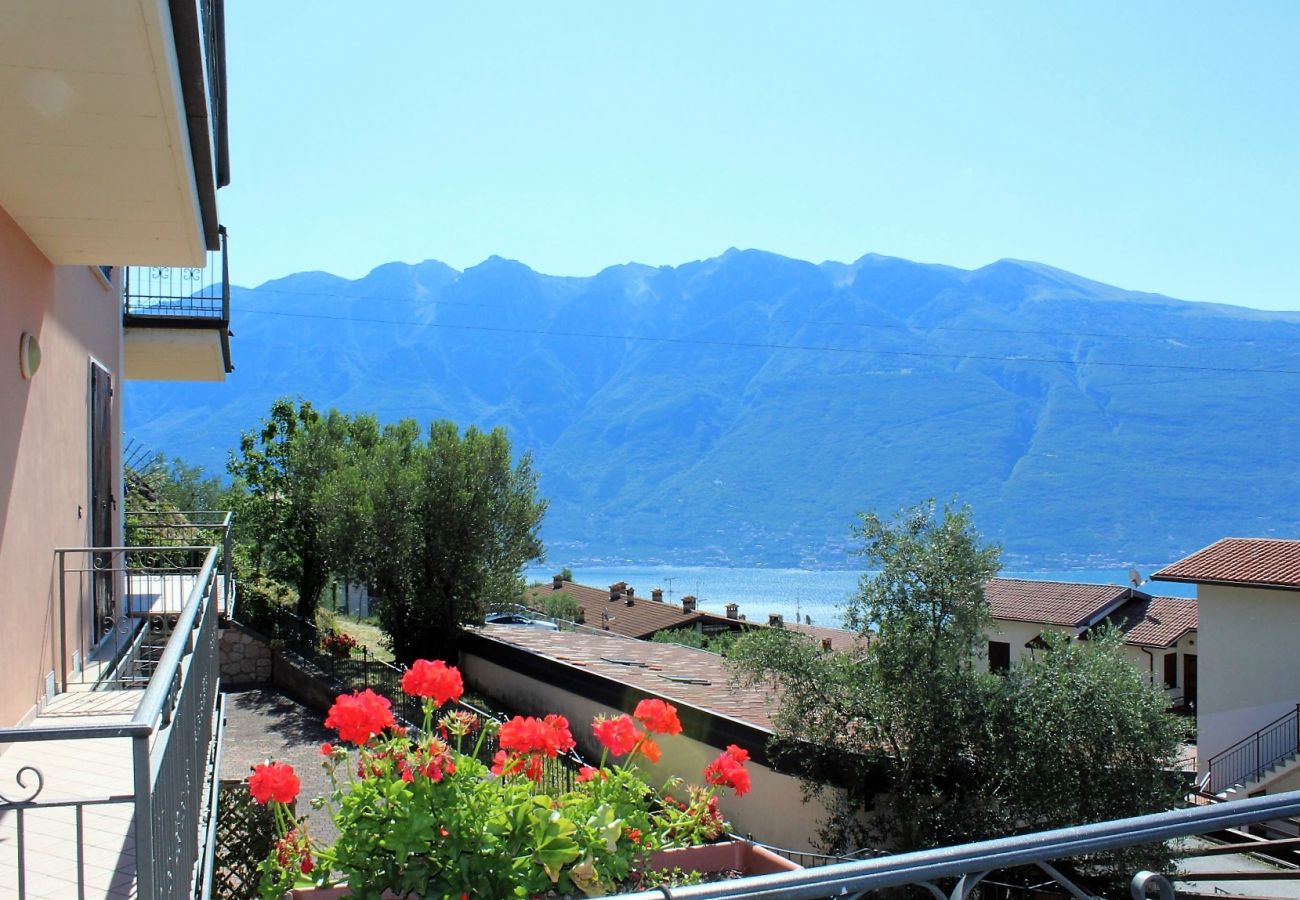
(645,616)
(650,666)
(640,620)
(1050,602)
(1268,562)
(1155,621)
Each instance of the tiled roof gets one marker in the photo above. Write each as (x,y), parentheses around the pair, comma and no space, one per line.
(1267,562)
(645,616)
(640,620)
(649,666)
(1050,602)
(1155,621)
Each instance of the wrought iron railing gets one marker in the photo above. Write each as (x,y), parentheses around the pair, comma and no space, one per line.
(114,606)
(1253,756)
(201,528)
(169,742)
(179,297)
(955,872)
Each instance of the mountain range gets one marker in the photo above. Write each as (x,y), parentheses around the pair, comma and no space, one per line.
(742,409)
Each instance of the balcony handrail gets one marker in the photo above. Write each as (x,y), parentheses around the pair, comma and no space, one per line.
(180,296)
(1251,748)
(164,682)
(976,859)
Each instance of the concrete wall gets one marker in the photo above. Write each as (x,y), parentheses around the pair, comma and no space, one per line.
(773,812)
(1249,672)
(44,445)
(1017,634)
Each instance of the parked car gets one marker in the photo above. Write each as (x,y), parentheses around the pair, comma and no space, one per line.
(517,619)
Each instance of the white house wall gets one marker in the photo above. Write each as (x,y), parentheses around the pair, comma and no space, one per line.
(773,812)
(1248,670)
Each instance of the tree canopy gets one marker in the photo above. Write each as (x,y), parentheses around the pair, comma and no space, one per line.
(921,746)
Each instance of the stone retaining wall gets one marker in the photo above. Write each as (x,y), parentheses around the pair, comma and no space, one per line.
(245,657)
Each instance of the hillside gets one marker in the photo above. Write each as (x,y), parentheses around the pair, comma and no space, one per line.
(741,409)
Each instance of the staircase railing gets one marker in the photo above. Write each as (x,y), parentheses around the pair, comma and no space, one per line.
(1252,756)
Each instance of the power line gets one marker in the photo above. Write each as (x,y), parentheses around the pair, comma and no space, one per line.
(755,345)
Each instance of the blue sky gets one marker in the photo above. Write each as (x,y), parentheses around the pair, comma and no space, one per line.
(1150,145)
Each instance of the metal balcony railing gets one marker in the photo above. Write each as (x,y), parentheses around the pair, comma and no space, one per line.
(121,805)
(179,298)
(955,872)
(1253,756)
(189,528)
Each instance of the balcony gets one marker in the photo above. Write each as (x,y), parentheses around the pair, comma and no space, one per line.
(176,322)
(114,143)
(110,790)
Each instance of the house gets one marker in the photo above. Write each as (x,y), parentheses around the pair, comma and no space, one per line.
(584,674)
(1248,712)
(1022,609)
(112,267)
(621,610)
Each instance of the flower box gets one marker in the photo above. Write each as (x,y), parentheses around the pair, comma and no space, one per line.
(421,813)
(742,857)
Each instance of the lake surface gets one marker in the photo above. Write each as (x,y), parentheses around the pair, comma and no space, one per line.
(819,593)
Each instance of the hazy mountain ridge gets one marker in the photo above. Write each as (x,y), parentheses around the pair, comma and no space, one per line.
(672,415)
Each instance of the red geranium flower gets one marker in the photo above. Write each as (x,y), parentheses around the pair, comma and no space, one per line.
(650,750)
(360,715)
(728,770)
(619,735)
(525,734)
(587,773)
(434,679)
(658,716)
(274,781)
(327,749)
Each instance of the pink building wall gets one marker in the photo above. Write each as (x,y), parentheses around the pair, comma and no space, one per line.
(44,446)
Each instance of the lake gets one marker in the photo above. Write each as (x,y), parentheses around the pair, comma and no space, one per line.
(819,593)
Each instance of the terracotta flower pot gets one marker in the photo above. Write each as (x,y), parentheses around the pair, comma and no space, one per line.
(728,856)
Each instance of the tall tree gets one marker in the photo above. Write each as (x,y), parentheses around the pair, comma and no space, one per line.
(283,465)
(459,520)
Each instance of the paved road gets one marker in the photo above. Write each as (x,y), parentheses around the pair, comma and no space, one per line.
(265,724)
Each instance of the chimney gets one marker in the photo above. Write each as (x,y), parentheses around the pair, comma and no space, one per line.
(733,611)
(557,582)
(688,604)
(581,616)
(776,620)
(629,591)
(657,595)
(616,590)
(631,601)
(826,644)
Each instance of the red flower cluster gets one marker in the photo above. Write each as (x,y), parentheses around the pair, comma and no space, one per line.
(728,770)
(658,716)
(587,773)
(360,715)
(274,781)
(434,679)
(529,741)
(618,735)
(525,734)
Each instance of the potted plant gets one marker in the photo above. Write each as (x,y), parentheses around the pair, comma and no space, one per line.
(421,814)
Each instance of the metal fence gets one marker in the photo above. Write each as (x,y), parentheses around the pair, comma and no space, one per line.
(200,528)
(167,747)
(182,296)
(361,669)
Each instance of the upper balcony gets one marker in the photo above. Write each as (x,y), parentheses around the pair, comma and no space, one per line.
(114,142)
(176,322)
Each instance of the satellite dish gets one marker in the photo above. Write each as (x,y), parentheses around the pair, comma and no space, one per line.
(1135,578)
